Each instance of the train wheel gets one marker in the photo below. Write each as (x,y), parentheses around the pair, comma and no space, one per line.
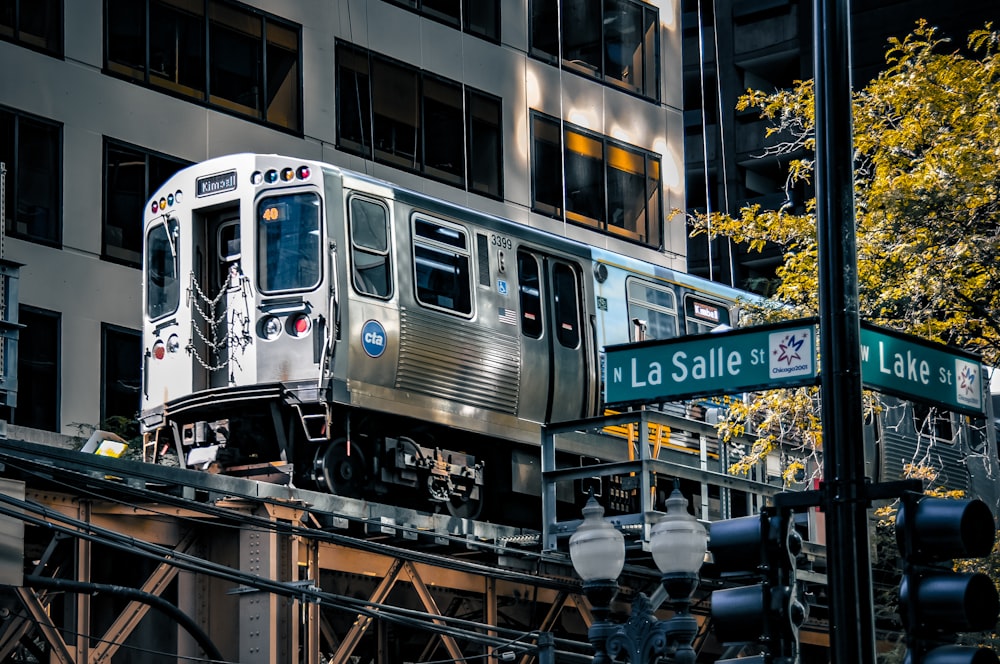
(340,469)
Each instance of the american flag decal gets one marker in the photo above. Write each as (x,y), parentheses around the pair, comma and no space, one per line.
(508,316)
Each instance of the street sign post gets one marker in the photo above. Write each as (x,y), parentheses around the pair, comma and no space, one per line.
(912,368)
(764,357)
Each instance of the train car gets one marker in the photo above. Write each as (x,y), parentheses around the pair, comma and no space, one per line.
(366,340)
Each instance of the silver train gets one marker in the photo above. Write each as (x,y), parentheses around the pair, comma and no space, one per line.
(369,340)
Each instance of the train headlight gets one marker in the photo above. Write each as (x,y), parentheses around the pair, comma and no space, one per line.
(173,343)
(300,325)
(270,328)
(159,350)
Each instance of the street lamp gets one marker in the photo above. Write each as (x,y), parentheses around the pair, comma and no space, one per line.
(678,543)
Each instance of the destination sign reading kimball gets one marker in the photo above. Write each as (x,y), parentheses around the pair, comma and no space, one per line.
(764,357)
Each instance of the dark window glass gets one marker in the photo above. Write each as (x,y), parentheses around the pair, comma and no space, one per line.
(34,23)
(581,33)
(177,46)
(545,29)
(354,100)
(485,152)
(38,370)
(236,55)
(396,113)
(31,150)
(443,135)
(370,247)
(441,265)
(530,294)
(613,40)
(482,17)
(126,37)
(131,176)
(546,166)
(608,185)
(567,313)
(163,290)
(120,378)
(401,116)
(252,59)
(288,243)
(449,11)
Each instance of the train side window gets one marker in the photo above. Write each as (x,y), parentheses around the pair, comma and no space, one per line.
(655,304)
(163,290)
(703,316)
(441,261)
(370,248)
(933,422)
(530,294)
(567,308)
(229,248)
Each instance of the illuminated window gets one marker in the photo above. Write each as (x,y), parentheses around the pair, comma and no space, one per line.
(224,53)
(31,149)
(595,181)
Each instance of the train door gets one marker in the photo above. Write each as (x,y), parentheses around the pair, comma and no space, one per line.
(219,301)
(556,367)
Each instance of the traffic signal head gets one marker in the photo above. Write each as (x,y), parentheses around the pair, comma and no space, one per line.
(762,550)
(936,602)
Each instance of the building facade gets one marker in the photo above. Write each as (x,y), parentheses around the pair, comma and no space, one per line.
(565,115)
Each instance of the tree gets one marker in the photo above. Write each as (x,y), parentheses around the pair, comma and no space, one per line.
(927,199)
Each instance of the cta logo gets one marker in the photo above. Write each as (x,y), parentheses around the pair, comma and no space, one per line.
(373,338)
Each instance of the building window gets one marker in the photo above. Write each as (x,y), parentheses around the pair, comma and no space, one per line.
(38,370)
(231,56)
(131,176)
(595,181)
(476,17)
(616,41)
(34,23)
(121,349)
(31,149)
(399,115)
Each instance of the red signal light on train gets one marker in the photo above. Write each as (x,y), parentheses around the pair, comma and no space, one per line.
(159,350)
(156,207)
(301,325)
(303,172)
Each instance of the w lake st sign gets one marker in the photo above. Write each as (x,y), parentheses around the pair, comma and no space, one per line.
(784,355)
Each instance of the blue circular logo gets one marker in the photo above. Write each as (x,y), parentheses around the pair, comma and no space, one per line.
(373,338)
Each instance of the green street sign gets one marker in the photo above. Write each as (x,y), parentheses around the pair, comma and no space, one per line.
(764,357)
(912,368)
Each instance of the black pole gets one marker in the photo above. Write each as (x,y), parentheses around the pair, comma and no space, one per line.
(849,563)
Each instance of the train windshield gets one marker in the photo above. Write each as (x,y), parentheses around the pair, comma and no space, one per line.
(288,242)
(162,286)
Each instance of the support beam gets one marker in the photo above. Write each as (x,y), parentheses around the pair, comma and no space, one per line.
(59,650)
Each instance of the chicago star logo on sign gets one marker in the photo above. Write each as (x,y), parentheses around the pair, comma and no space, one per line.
(967,390)
(790,354)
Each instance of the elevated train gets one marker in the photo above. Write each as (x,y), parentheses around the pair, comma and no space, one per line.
(342,333)
(375,339)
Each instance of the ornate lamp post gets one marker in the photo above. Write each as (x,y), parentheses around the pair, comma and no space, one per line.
(597,550)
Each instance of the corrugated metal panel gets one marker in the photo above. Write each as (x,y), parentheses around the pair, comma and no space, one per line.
(900,445)
(458,361)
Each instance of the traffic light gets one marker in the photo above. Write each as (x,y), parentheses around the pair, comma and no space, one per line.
(935,602)
(761,549)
